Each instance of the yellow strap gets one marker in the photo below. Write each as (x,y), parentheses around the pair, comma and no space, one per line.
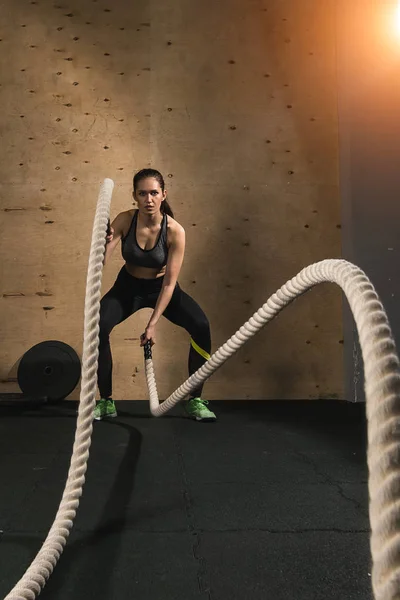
(202,352)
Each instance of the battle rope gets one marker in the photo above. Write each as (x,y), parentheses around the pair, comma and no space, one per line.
(382,387)
(35,578)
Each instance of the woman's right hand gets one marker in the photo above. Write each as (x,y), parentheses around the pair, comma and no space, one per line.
(109,232)
(110,235)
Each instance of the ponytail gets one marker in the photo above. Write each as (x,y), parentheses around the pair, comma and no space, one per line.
(166,209)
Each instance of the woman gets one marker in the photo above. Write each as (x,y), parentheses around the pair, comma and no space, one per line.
(153,246)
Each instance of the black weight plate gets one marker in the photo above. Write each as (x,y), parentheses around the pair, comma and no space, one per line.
(49,369)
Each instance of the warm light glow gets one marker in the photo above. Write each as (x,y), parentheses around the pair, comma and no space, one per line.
(397,18)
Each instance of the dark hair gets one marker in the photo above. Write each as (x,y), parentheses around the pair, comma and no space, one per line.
(144,174)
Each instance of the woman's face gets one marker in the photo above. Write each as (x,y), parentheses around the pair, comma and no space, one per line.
(149,195)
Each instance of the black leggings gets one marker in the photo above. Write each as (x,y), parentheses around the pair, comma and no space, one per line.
(129,295)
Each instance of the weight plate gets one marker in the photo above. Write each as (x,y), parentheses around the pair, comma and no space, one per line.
(49,369)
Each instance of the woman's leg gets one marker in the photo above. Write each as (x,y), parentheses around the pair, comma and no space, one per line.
(120,302)
(185,312)
(113,310)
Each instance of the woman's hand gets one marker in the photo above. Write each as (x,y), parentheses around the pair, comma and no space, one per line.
(110,235)
(148,336)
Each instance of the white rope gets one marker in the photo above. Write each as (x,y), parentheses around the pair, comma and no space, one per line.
(36,576)
(382,387)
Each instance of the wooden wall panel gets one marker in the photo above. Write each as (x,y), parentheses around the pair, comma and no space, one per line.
(236,104)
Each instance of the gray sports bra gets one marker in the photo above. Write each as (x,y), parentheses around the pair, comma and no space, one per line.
(133,254)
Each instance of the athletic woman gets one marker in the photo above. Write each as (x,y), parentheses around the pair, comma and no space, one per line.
(153,247)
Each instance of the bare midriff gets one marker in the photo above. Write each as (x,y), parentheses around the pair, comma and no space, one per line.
(143,272)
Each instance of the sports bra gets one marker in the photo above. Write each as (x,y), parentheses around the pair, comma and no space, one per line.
(133,254)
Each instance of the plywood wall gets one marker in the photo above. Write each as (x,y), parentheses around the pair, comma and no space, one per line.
(236,104)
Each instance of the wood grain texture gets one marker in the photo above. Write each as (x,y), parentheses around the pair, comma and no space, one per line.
(235,103)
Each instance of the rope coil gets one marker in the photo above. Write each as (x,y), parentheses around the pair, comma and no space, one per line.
(382,388)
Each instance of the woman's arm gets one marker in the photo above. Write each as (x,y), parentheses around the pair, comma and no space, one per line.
(175,259)
(117,228)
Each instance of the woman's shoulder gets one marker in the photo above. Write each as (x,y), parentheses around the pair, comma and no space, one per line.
(126,215)
(123,221)
(174,227)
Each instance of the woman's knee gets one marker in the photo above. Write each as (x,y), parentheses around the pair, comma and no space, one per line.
(201,331)
(104,330)
(108,318)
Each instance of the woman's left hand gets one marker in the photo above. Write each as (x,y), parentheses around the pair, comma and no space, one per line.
(148,336)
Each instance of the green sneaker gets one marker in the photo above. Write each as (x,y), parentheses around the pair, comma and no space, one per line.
(197,409)
(105,409)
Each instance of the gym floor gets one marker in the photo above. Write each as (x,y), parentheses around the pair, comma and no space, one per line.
(269,501)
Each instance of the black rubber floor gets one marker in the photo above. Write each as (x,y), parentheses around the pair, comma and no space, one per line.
(269,502)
